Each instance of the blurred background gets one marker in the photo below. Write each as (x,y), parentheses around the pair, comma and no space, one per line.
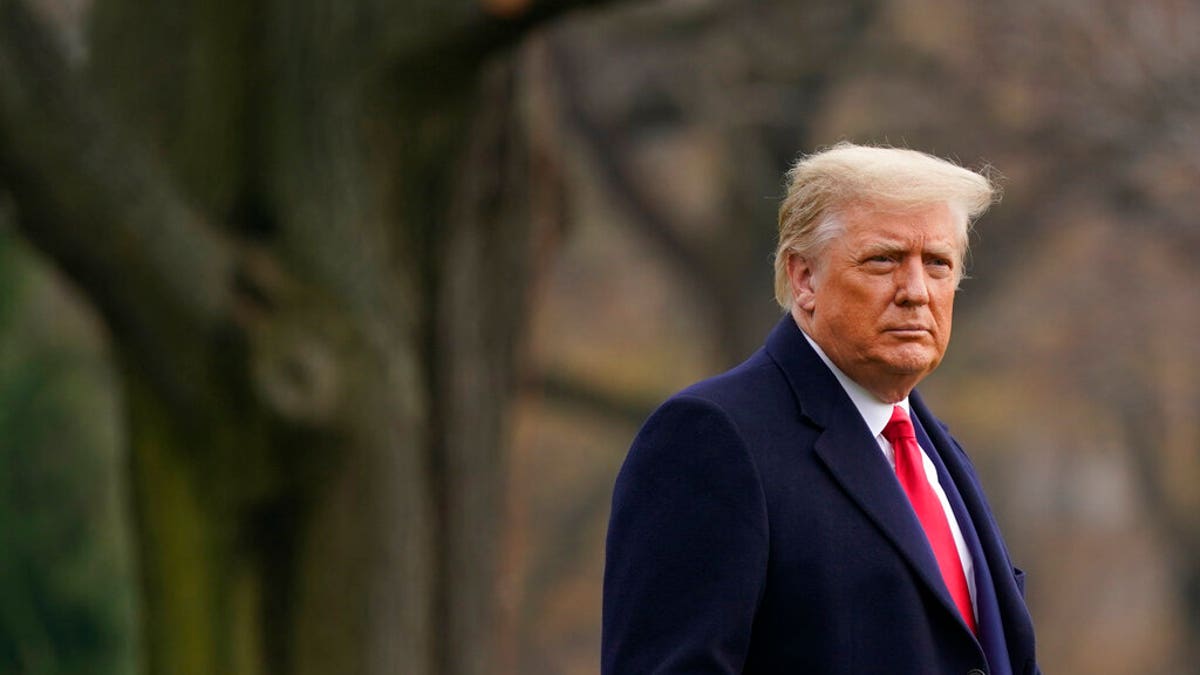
(325,325)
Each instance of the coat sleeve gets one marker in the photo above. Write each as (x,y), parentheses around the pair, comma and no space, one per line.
(686,555)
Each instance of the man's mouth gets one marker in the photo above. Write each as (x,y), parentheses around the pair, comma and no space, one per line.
(908,331)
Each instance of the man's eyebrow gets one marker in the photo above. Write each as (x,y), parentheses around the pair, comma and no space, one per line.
(883,246)
(946,250)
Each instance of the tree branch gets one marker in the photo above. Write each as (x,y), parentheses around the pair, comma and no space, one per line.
(566,389)
(607,148)
(469,30)
(96,204)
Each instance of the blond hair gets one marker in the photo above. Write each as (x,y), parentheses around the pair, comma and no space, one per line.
(821,186)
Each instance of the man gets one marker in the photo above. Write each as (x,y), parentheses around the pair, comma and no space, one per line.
(805,512)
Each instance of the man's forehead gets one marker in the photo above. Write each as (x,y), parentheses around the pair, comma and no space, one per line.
(935,224)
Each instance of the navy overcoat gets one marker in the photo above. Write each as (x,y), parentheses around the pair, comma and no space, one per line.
(757,528)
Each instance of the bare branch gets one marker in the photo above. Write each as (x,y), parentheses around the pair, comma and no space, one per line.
(564,388)
(608,149)
(95,203)
(472,29)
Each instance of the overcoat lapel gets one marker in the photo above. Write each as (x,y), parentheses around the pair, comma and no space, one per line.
(991,626)
(1017,625)
(852,455)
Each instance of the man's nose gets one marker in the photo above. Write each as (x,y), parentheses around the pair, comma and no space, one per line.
(911,285)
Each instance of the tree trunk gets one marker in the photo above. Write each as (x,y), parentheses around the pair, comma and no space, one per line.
(306,226)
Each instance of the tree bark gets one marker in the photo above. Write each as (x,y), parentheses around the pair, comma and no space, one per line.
(306,227)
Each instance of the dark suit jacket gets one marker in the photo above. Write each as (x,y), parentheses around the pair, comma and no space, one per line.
(757,528)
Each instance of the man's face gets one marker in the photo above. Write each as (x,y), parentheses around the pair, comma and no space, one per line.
(879,300)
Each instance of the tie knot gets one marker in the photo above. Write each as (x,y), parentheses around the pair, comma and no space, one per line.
(899,426)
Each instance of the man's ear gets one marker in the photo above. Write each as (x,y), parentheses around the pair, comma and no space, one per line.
(800,276)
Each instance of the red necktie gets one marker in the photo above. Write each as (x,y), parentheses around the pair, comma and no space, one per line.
(911,472)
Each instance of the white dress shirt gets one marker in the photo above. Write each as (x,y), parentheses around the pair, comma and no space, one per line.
(876,414)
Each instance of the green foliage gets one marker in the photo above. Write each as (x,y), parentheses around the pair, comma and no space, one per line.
(65,584)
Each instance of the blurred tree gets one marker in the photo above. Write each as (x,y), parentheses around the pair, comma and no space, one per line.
(308,229)
(1115,85)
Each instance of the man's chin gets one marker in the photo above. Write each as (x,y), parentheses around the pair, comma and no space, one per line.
(912,362)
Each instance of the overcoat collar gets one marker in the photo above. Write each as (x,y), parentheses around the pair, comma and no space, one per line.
(852,455)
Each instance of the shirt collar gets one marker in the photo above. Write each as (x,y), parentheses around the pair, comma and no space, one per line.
(874,412)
